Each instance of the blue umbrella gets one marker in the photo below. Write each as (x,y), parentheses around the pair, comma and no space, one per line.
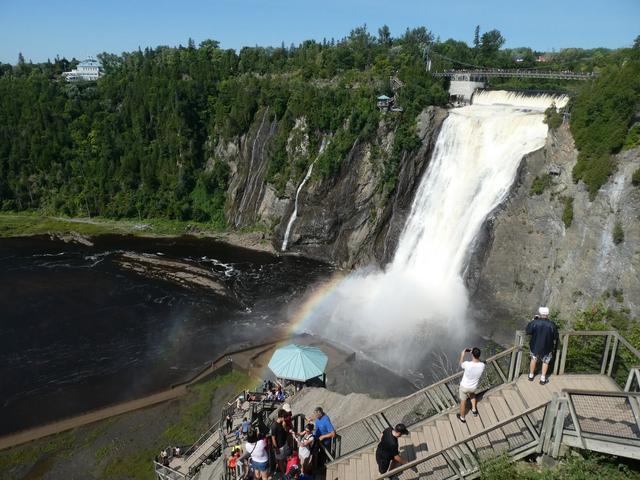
(298,362)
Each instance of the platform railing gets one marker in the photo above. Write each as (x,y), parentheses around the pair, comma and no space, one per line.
(590,352)
(421,405)
(517,436)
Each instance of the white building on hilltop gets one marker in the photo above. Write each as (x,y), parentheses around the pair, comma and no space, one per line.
(89,69)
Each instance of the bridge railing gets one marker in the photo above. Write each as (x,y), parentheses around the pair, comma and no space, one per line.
(495,72)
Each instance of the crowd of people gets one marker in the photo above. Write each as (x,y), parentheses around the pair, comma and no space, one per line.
(544,340)
(282,452)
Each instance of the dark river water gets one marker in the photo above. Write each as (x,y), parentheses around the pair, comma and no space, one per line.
(79,330)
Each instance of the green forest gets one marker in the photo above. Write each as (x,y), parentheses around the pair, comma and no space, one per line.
(140,142)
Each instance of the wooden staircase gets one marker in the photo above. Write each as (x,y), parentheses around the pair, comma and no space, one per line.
(440,433)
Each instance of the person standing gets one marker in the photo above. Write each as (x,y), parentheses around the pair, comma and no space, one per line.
(544,336)
(323,432)
(387,452)
(246,425)
(279,442)
(256,450)
(305,441)
(473,370)
(229,423)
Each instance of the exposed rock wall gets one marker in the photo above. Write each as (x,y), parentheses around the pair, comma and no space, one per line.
(345,219)
(527,256)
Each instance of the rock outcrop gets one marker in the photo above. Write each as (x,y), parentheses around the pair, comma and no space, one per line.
(529,257)
(346,219)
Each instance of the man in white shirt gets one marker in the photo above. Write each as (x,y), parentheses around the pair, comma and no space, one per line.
(470,379)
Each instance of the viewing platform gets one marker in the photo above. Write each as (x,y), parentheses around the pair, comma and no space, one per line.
(591,402)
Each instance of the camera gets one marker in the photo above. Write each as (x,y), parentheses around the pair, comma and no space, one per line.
(467,349)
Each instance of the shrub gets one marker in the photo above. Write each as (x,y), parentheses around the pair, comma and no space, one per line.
(567,213)
(633,137)
(618,233)
(552,117)
(540,184)
(635,178)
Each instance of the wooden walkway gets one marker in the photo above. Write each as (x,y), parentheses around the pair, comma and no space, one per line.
(441,432)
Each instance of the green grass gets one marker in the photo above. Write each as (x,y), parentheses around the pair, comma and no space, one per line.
(540,184)
(193,420)
(618,233)
(61,444)
(21,224)
(567,212)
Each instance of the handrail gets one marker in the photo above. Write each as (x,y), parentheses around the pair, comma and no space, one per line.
(201,440)
(177,474)
(427,388)
(414,463)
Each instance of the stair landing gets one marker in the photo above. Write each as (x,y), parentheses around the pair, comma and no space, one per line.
(494,406)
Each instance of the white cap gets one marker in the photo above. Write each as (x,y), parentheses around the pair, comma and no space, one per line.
(544,311)
(286,407)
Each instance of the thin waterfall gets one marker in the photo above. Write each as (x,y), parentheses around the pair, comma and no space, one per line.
(420,300)
(292,219)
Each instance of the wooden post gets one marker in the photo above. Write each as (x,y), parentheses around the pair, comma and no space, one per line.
(520,344)
(614,351)
(559,426)
(547,424)
(630,377)
(574,418)
(605,357)
(565,347)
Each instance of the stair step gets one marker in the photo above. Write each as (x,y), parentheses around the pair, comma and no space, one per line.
(497,438)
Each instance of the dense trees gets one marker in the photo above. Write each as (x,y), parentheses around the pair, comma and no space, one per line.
(602,115)
(141,141)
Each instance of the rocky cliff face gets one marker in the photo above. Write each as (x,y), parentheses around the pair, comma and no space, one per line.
(525,256)
(528,257)
(345,219)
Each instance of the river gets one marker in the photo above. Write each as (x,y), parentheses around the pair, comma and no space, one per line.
(89,326)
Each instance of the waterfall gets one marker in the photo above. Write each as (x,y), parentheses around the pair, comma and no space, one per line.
(420,301)
(292,219)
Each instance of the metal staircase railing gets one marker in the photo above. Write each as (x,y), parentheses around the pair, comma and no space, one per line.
(421,405)
(610,354)
(518,436)
(606,422)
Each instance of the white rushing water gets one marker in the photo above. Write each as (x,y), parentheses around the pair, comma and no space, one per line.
(420,300)
(292,219)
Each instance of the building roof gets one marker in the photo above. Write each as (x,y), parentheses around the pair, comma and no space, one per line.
(383,97)
(89,62)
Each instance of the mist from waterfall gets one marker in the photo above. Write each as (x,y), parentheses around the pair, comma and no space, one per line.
(420,300)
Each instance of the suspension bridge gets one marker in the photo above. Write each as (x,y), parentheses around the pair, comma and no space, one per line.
(466,80)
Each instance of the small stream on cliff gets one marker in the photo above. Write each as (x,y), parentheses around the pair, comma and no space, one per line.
(88,326)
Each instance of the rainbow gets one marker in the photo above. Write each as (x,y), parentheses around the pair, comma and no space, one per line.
(306,312)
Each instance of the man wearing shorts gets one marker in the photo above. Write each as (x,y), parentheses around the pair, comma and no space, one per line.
(544,335)
(473,370)
(279,442)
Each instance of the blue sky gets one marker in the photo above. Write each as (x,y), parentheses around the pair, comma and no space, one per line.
(72,28)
